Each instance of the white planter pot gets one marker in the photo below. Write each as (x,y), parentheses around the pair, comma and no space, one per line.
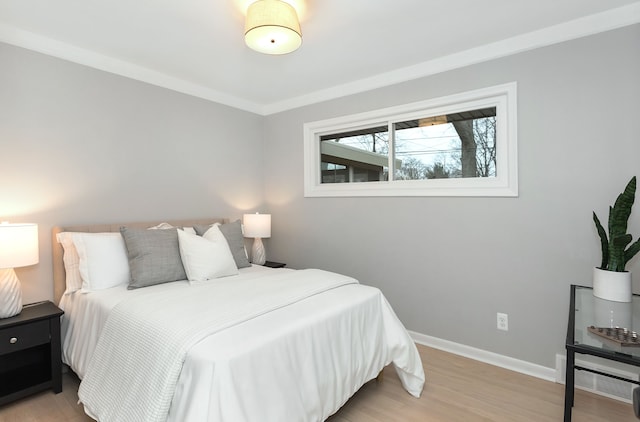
(612,285)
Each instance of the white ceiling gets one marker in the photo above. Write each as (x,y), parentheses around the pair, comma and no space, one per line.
(197,46)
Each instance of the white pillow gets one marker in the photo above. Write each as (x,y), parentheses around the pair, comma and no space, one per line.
(206,258)
(71,261)
(103,260)
(241,229)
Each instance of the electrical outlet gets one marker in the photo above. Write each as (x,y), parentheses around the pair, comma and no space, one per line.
(503,322)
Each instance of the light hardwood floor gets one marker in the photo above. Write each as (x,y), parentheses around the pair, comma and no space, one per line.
(457,389)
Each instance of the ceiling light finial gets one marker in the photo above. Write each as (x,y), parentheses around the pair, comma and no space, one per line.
(272,27)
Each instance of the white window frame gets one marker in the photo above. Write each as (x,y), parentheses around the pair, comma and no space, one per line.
(505,184)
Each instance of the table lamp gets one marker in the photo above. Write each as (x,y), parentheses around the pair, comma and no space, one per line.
(18,248)
(257,226)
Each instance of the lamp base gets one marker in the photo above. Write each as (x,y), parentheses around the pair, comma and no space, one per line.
(10,293)
(258,255)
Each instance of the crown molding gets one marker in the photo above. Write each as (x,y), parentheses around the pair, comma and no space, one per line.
(578,28)
(582,27)
(61,50)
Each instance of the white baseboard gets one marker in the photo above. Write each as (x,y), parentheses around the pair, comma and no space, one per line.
(597,384)
(517,365)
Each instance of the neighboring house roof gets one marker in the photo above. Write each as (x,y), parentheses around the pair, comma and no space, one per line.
(355,155)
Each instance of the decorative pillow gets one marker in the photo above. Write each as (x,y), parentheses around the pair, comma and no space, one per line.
(206,258)
(233,233)
(71,260)
(154,256)
(102,260)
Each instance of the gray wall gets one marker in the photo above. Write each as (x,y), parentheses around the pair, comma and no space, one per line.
(80,145)
(83,146)
(447,265)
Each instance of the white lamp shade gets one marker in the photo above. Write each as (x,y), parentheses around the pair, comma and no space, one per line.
(18,245)
(272,27)
(257,225)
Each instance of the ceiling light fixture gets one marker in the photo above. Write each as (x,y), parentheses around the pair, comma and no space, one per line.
(272,27)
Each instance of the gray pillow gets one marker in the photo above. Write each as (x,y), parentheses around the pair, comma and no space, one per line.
(154,256)
(233,233)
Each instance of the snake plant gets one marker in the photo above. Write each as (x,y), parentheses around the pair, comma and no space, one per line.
(614,254)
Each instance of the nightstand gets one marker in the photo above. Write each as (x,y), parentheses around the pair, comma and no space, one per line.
(273,264)
(30,354)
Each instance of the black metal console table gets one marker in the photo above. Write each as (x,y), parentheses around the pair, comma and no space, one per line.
(585,311)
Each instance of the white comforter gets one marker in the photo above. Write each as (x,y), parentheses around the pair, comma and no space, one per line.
(271,367)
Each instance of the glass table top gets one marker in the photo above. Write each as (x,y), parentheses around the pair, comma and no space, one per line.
(592,311)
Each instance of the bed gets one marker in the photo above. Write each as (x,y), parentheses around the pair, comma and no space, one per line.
(250,344)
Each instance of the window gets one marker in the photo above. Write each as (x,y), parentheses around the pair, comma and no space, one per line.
(461,145)
(355,156)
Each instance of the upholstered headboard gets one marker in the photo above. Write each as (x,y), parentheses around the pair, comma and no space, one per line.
(59,275)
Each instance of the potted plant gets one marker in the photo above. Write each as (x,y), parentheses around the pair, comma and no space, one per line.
(610,280)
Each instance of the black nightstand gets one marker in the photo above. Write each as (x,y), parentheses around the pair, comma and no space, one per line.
(273,264)
(30,355)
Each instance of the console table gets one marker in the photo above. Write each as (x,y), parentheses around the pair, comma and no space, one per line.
(585,311)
